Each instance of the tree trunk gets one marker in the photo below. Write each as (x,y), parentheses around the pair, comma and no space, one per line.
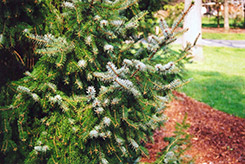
(193,21)
(226,15)
(243,6)
(218,17)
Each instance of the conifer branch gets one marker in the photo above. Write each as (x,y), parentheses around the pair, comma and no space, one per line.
(2,146)
(172,31)
(6,147)
(146,103)
(123,50)
(122,8)
(154,83)
(91,4)
(113,70)
(182,84)
(77,14)
(60,62)
(155,51)
(3,109)
(67,100)
(134,73)
(118,157)
(181,58)
(16,53)
(130,124)
(115,117)
(180,20)
(121,84)
(87,107)
(145,89)
(188,49)
(196,39)
(5,128)
(55,147)
(36,39)
(144,153)
(53,160)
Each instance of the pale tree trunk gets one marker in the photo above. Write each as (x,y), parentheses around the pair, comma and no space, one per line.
(226,15)
(193,21)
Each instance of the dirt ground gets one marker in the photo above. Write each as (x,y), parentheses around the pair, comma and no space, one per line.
(217,137)
(221,30)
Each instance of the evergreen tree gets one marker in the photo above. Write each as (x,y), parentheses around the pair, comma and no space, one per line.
(149,22)
(97,92)
(16,53)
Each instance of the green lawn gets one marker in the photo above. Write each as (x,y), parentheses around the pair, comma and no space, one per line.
(219,80)
(212,22)
(224,36)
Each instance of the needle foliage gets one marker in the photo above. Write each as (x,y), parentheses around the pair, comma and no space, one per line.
(98,89)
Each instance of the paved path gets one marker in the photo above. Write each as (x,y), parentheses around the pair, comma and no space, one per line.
(219,43)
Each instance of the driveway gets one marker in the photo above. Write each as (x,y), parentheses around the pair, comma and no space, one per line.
(219,43)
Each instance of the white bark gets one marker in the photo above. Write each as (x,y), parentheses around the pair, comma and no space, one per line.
(226,16)
(193,21)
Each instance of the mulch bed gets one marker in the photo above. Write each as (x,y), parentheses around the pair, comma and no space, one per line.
(222,30)
(217,137)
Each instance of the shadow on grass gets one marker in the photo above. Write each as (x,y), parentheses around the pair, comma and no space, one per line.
(212,25)
(215,25)
(220,91)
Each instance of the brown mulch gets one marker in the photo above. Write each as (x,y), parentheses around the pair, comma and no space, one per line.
(222,30)
(217,137)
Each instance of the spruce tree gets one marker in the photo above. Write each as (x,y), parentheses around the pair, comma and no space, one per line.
(97,92)
(16,52)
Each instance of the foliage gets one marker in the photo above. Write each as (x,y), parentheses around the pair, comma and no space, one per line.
(97,91)
(16,16)
(148,23)
(152,5)
(173,12)
(238,21)
(219,80)
(178,144)
(149,5)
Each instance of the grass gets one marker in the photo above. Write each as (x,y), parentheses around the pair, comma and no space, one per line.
(224,36)
(219,80)
(212,22)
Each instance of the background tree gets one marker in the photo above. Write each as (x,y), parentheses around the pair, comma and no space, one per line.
(226,15)
(217,7)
